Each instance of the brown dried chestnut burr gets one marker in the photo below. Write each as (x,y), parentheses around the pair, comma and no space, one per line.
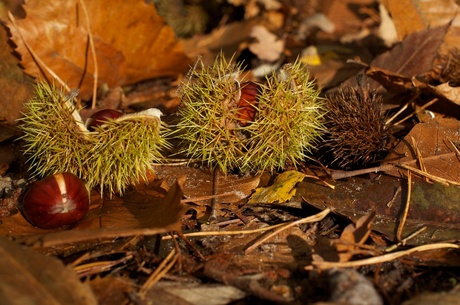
(356,133)
(100,117)
(57,201)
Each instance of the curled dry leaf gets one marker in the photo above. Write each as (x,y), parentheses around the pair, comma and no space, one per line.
(132,42)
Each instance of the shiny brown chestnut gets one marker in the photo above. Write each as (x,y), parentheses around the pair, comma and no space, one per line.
(100,117)
(247,104)
(57,201)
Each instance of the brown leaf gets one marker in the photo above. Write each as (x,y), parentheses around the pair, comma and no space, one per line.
(132,42)
(432,138)
(189,294)
(444,91)
(200,183)
(406,18)
(411,16)
(345,16)
(39,279)
(393,82)
(413,57)
(353,235)
(432,205)
(110,289)
(15,86)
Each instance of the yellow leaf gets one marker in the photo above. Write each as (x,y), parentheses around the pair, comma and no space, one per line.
(280,191)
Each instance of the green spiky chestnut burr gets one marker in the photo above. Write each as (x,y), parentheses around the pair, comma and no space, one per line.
(117,153)
(229,123)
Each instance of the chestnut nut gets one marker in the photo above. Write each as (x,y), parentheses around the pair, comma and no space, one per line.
(57,201)
(100,117)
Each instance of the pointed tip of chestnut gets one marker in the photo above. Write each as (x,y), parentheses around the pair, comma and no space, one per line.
(100,117)
(57,201)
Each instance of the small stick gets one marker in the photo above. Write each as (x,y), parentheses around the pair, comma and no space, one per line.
(93,53)
(418,111)
(406,208)
(382,258)
(390,203)
(314,218)
(162,269)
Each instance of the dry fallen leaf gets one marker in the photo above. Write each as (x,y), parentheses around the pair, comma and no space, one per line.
(29,277)
(15,86)
(280,191)
(200,183)
(192,294)
(353,235)
(413,15)
(267,45)
(413,57)
(432,205)
(444,91)
(132,42)
(433,138)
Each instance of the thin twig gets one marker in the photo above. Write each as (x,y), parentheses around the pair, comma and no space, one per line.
(393,199)
(419,157)
(93,53)
(401,110)
(156,276)
(218,233)
(215,190)
(445,182)
(40,64)
(381,258)
(340,174)
(190,245)
(404,241)
(403,219)
(418,111)
(203,198)
(314,218)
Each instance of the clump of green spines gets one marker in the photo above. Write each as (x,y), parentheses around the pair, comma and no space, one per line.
(284,129)
(288,122)
(118,153)
(208,115)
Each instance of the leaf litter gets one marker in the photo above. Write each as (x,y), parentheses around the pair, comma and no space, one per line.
(190,232)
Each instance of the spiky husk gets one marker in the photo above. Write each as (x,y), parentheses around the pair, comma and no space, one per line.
(208,115)
(115,155)
(284,130)
(355,128)
(288,123)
